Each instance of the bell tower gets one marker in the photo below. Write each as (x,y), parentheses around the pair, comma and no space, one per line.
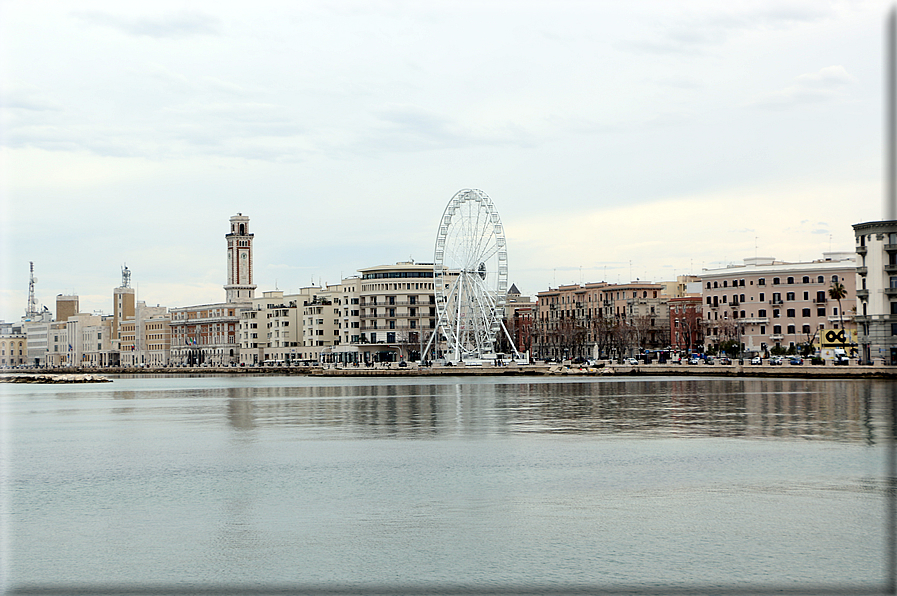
(239,286)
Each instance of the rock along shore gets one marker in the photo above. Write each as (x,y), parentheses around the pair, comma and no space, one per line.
(52,378)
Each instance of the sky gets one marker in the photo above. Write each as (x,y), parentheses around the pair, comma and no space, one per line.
(618,141)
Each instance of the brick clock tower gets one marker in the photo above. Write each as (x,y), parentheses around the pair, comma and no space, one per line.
(239,286)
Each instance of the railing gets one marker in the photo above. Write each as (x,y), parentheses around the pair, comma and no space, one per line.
(865,270)
(861,250)
(862,293)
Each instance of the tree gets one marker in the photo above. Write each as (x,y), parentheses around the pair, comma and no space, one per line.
(837,292)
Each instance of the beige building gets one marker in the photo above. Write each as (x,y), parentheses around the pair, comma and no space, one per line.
(397,311)
(13,345)
(145,337)
(765,303)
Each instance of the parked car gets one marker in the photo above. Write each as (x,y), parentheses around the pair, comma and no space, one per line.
(725,360)
(776,360)
(709,360)
(795,361)
(756,360)
(694,360)
(632,362)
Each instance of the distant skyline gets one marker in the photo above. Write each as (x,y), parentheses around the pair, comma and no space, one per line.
(645,140)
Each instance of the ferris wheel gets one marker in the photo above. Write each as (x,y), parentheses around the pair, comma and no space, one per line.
(470,270)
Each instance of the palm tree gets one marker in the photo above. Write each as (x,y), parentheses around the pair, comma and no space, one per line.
(836,292)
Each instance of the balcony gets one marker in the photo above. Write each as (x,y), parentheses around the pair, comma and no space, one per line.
(861,250)
(862,270)
(754,321)
(779,301)
(863,294)
(890,247)
(819,301)
(891,268)
(776,337)
(891,291)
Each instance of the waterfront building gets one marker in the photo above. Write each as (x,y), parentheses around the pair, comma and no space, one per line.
(145,337)
(598,320)
(686,324)
(765,303)
(270,330)
(13,345)
(518,320)
(876,295)
(397,307)
(37,328)
(206,334)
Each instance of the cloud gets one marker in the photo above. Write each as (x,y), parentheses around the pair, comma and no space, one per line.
(827,84)
(699,31)
(178,25)
(29,99)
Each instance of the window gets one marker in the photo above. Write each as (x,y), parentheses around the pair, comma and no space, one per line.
(775,313)
(761,282)
(806,279)
(834,279)
(790,280)
(775,281)
(714,285)
(741,297)
(776,329)
(789,296)
(762,329)
(708,285)
(805,329)
(790,313)
(806,295)
(762,297)
(820,280)
(820,312)
(790,329)
(761,313)
(725,283)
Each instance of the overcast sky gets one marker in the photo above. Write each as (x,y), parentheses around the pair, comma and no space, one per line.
(617,140)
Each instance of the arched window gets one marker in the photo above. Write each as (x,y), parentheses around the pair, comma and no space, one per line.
(775,281)
(708,285)
(834,279)
(790,280)
(820,280)
(714,285)
(806,279)
(242,229)
(725,283)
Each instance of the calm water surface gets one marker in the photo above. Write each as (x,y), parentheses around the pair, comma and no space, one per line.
(210,481)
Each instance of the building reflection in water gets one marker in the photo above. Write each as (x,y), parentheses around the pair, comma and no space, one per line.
(783,408)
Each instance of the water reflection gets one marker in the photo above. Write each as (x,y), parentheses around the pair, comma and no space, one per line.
(782,408)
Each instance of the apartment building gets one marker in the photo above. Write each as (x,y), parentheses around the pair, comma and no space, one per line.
(686,324)
(876,295)
(765,303)
(597,320)
(397,311)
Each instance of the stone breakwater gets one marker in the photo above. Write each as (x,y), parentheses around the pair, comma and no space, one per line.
(53,378)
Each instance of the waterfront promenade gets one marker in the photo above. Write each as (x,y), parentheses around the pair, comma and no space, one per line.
(539,369)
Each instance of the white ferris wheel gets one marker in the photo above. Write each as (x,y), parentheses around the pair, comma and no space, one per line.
(470,270)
